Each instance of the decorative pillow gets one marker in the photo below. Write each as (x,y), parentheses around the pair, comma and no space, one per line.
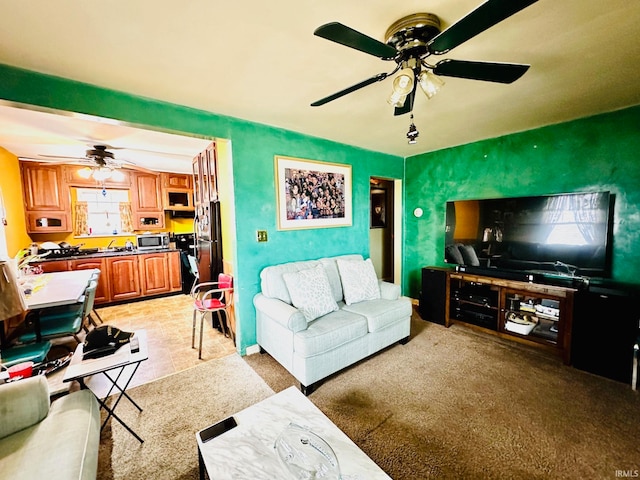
(359,280)
(469,255)
(310,292)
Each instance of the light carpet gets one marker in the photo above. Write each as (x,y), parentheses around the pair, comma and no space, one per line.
(174,409)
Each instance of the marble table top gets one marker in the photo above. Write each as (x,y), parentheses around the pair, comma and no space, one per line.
(247,451)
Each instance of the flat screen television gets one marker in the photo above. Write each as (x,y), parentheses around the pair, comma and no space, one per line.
(566,234)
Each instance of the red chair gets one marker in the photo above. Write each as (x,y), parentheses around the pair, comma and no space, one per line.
(209,297)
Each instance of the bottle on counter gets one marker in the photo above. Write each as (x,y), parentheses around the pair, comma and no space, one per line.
(33,249)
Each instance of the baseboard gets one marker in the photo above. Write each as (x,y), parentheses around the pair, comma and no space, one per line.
(252,349)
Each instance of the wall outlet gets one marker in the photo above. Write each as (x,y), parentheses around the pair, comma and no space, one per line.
(261,235)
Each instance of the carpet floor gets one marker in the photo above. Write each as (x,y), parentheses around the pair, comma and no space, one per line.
(457,404)
(450,404)
(174,409)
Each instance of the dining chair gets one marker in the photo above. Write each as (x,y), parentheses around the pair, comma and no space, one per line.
(95,277)
(32,352)
(193,269)
(210,297)
(63,322)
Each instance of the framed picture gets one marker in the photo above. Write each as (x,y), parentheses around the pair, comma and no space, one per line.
(312,194)
(378,208)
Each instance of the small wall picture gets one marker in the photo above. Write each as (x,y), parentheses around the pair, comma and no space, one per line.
(378,208)
(312,194)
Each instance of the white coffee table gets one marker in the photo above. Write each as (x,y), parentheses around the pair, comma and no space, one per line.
(246,451)
(119,368)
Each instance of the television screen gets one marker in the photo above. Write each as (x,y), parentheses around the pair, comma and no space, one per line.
(566,234)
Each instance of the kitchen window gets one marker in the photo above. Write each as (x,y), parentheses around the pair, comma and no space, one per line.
(102,212)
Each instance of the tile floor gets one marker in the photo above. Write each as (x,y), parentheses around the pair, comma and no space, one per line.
(168,322)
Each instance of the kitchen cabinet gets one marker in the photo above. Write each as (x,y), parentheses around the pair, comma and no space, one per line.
(46,198)
(124,278)
(175,272)
(127,277)
(205,187)
(180,181)
(146,201)
(102,291)
(53,266)
(177,193)
(154,273)
(73,178)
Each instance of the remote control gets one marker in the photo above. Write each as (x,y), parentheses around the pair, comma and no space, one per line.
(135,345)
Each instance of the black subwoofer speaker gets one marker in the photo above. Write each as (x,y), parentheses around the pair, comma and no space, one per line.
(433,298)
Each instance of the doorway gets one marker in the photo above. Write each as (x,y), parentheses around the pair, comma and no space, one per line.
(382,227)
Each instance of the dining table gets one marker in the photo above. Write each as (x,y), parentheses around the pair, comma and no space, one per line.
(46,290)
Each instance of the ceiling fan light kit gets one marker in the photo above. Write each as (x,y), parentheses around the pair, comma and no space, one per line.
(413,38)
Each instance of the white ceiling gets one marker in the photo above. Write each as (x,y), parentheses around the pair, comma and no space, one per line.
(260,61)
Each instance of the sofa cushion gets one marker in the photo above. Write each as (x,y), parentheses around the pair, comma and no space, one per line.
(310,292)
(272,283)
(359,280)
(331,267)
(381,313)
(329,332)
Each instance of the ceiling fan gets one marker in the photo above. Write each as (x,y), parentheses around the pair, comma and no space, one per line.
(411,40)
(96,157)
(99,163)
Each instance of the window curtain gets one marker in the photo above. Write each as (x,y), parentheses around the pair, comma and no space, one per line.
(126,217)
(80,218)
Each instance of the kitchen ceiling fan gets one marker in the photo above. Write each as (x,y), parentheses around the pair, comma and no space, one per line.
(99,163)
(411,40)
(98,157)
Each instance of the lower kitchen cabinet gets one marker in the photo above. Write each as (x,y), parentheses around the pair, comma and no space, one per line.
(154,273)
(124,278)
(127,277)
(102,291)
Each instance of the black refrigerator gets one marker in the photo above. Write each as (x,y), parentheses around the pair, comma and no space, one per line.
(208,241)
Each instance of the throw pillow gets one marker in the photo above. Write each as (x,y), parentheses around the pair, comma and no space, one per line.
(359,280)
(310,292)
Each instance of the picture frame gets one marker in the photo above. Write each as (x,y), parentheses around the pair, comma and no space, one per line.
(378,208)
(312,194)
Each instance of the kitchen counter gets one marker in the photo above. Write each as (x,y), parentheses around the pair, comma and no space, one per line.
(125,275)
(114,252)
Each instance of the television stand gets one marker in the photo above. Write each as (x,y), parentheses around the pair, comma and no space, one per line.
(527,312)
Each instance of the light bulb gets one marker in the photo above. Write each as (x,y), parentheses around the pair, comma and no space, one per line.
(429,83)
(85,172)
(101,174)
(402,86)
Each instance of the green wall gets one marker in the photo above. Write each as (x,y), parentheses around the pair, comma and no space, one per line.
(253,149)
(590,154)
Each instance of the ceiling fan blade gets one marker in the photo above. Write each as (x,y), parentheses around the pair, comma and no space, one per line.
(487,71)
(485,16)
(353,88)
(339,33)
(408,103)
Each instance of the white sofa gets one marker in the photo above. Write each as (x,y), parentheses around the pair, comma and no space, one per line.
(314,348)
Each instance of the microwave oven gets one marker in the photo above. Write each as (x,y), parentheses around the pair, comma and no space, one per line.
(152,241)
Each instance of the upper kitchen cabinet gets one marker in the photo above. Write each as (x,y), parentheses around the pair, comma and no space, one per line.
(177,193)
(205,185)
(73,178)
(180,181)
(146,201)
(46,198)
